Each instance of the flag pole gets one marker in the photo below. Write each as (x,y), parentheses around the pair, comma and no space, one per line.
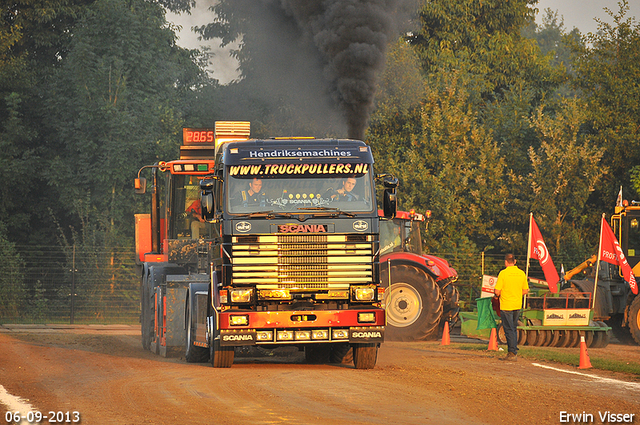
(595,282)
(524,301)
(529,246)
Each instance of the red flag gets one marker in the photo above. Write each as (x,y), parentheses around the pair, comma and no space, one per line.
(540,252)
(611,252)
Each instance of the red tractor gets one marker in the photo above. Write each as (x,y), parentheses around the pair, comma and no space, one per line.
(422,297)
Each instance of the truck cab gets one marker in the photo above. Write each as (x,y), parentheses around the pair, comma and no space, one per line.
(267,242)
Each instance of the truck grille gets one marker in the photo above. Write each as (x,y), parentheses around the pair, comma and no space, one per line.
(302,261)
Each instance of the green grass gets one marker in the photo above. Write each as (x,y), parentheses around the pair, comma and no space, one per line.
(562,357)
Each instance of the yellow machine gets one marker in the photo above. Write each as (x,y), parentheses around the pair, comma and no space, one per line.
(615,303)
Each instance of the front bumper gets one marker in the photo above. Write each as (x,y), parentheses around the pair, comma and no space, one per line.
(296,327)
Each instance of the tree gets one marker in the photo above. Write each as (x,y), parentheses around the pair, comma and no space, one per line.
(12,290)
(607,71)
(449,164)
(116,103)
(565,170)
(482,38)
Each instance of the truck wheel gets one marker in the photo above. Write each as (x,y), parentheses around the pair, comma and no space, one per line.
(413,304)
(193,354)
(341,353)
(146,314)
(221,356)
(317,353)
(634,319)
(365,355)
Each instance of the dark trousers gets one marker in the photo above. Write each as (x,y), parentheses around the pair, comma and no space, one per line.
(510,326)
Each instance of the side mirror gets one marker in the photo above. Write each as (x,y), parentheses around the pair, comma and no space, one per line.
(207,201)
(140,185)
(389,201)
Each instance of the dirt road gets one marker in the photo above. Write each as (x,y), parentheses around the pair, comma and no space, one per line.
(110,379)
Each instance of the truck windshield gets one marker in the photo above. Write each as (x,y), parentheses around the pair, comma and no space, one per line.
(294,195)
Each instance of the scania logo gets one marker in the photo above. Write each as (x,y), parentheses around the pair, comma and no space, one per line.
(360,225)
(243,226)
(238,337)
(302,228)
(373,334)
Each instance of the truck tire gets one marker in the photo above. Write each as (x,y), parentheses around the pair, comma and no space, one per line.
(413,304)
(365,355)
(193,354)
(146,313)
(341,353)
(221,356)
(317,353)
(634,319)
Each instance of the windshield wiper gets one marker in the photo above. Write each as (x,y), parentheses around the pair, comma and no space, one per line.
(334,211)
(267,214)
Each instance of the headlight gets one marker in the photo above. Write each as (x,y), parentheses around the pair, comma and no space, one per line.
(274,294)
(239,320)
(367,317)
(241,296)
(363,293)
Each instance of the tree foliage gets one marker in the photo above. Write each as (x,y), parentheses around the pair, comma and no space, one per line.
(117,106)
(607,74)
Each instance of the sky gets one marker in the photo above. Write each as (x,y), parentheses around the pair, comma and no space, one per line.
(576,13)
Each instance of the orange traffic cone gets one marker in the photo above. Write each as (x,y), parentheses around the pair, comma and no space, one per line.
(585,363)
(446,340)
(493,341)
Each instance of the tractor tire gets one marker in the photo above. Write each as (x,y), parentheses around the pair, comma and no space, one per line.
(634,319)
(193,354)
(450,305)
(146,313)
(341,354)
(365,355)
(220,357)
(606,336)
(500,336)
(532,338)
(413,304)
(555,337)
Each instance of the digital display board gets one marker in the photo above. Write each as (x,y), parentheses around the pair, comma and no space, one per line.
(197,136)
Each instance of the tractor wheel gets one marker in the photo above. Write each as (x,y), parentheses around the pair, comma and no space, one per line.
(146,313)
(565,339)
(220,356)
(522,336)
(634,319)
(450,305)
(413,304)
(598,337)
(606,335)
(555,337)
(341,353)
(365,355)
(532,338)
(543,336)
(193,354)
(588,337)
(502,338)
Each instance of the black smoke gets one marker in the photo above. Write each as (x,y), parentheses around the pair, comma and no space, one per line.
(315,62)
(351,37)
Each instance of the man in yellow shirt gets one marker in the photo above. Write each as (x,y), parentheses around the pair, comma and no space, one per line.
(511,286)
